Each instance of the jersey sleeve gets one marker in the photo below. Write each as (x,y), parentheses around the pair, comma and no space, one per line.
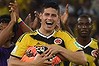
(21,46)
(70,42)
(71,45)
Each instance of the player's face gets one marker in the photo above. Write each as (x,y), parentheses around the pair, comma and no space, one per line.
(84,27)
(3,26)
(49,19)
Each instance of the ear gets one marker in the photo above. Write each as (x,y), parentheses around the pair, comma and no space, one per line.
(76,27)
(92,26)
(40,15)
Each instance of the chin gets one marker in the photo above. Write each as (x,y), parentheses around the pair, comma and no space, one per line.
(49,29)
(84,36)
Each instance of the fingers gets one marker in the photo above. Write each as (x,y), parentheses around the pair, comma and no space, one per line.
(67,6)
(48,62)
(13,5)
(36,14)
(15,1)
(11,8)
(50,53)
(66,11)
(95,53)
(28,18)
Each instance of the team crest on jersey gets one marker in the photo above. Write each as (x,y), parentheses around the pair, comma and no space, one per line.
(58,41)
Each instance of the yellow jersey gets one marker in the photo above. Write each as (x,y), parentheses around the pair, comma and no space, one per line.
(88,50)
(35,38)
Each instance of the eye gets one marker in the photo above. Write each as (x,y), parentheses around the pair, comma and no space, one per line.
(54,15)
(46,14)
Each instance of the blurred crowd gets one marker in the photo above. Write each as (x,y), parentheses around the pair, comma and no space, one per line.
(76,8)
(43,19)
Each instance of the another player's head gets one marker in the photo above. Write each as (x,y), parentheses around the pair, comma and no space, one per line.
(84,25)
(49,16)
(4,21)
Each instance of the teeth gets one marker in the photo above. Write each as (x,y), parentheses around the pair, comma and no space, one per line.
(49,22)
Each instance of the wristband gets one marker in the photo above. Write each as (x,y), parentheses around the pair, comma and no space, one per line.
(19,20)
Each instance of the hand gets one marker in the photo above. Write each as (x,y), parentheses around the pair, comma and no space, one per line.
(52,50)
(14,6)
(28,19)
(13,16)
(95,53)
(41,60)
(36,14)
(64,17)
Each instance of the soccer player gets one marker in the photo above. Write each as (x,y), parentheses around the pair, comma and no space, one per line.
(7,32)
(8,29)
(22,27)
(85,41)
(58,43)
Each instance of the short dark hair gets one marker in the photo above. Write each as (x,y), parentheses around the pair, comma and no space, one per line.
(5,18)
(50,4)
(85,16)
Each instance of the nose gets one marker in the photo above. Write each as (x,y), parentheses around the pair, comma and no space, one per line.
(84,26)
(49,17)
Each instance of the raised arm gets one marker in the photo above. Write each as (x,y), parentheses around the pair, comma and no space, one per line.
(5,33)
(32,20)
(64,20)
(23,26)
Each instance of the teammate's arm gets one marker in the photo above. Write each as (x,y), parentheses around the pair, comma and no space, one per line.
(4,35)
(22,25)
(76,57)
(97,54)
(39,61)
(64,21)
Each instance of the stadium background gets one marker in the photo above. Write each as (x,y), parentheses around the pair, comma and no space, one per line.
(76,8)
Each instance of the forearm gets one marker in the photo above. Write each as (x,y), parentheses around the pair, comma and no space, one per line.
(69,30)
(4,35)
(16,62)
(23,26)
(76,57)
(20,63)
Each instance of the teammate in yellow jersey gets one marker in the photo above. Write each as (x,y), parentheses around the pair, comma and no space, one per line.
(84,40)
(58,43)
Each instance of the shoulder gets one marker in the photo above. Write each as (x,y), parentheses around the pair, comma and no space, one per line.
(64,33)
(27,35)
(95,40)
(94,43)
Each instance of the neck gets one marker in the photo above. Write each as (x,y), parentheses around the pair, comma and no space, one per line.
(46,33)
(83,41)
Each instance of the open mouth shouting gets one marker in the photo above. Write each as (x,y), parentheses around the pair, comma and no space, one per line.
(49,23)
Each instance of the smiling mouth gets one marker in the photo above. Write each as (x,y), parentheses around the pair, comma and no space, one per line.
(84,32)
(49,23)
